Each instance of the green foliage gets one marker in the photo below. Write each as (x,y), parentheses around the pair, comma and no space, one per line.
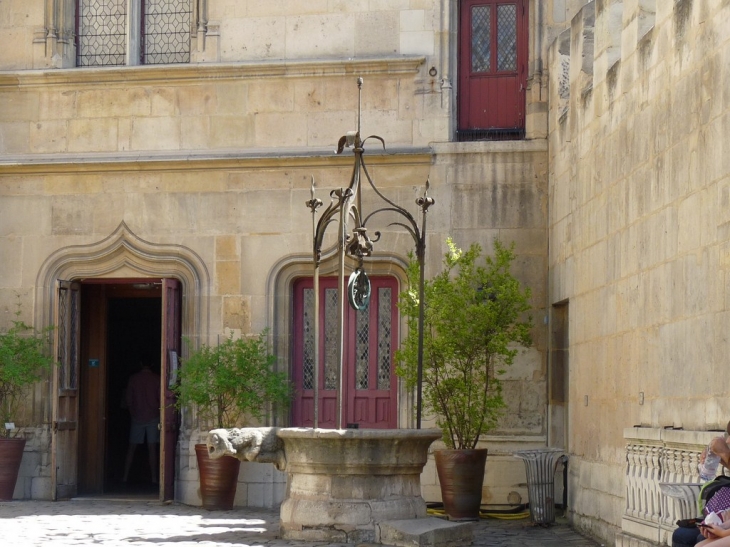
(23,359)
(233,380)
(475,319)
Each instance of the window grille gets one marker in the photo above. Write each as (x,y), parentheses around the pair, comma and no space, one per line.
(481,31)
(102,28)
(384,337)
(507,37)
(308,327)
(166,31)
(102,36)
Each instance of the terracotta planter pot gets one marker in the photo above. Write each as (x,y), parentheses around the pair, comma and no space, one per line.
(218,479)
(11,452)
(461,474)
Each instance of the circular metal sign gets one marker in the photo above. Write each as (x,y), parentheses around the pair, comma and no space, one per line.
(358,289)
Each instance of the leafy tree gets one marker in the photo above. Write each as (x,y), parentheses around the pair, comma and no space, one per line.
(475,319)
(232,380)
(23,359)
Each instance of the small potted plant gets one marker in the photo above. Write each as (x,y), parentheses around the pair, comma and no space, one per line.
(475,320)
(23,359)
(230,383)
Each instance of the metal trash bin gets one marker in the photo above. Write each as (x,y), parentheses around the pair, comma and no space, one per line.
(540,466)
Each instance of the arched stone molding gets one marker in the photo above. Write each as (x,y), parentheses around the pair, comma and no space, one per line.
(279,287)
(125,255)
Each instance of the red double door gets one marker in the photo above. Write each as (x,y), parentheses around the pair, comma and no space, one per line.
(492,64)
(369,398)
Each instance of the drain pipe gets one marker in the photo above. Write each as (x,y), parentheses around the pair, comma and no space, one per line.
(565,483)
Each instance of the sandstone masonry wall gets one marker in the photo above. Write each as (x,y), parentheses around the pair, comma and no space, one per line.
(638,216)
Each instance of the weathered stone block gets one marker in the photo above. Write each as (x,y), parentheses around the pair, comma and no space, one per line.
(253,38)
(231,131)
(425,532)
(377,33)
(111,102)
(155,134)
(92,135)
(48,137)
(320,36)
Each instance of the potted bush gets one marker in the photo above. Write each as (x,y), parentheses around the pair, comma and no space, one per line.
(229,383)
(23,359)
(475,320)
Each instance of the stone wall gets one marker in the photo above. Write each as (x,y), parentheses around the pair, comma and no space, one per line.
(34,476)
(638,218)
(216,157)
(242,215)
(194,108)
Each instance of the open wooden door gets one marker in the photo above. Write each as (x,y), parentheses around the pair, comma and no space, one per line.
(171,300)
(64,436)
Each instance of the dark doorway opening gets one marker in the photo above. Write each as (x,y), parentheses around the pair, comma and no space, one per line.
(134,329)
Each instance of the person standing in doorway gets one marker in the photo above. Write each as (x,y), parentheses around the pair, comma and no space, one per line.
(143,401)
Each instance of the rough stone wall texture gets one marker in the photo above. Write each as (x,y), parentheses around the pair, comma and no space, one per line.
(217,156)
(84,112)
(639,177)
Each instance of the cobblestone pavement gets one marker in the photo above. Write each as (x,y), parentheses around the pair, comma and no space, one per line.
(151,523)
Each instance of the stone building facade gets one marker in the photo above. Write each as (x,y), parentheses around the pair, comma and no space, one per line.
(158,178)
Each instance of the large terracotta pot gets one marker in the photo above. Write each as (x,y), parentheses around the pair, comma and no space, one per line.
(11,452)
(218,479)
(461,475)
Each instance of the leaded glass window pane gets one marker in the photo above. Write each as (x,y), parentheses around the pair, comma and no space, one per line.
(384,337)
(102,39)
(308,353)
(331,361)
(167,31)
(507,37)
(73,355)
(362,349)
(481,41)
(63,336)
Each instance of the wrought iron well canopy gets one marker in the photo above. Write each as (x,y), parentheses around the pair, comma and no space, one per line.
(345,208)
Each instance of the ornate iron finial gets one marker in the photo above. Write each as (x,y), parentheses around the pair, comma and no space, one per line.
(425,201)
(313,203)
(359,102)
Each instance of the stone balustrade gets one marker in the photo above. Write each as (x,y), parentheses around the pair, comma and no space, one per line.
(655,456)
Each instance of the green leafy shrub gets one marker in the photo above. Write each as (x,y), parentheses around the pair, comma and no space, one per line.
(23,359)
(475,319)
(232,381)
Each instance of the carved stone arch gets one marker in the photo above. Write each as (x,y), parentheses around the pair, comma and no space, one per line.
(125,255)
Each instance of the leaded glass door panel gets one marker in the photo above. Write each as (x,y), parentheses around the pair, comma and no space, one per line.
(370,396)
(492,67)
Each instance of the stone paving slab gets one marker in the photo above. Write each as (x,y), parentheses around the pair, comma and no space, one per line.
(133,523)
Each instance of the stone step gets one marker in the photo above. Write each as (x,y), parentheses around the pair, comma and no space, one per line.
(627,540)
(425,532)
